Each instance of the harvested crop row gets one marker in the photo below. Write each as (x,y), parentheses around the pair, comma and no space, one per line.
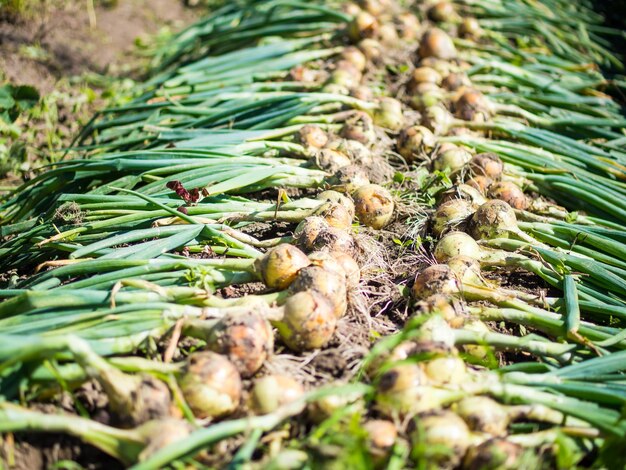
(365,236)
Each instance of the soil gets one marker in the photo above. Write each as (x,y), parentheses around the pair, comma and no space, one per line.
(71,45)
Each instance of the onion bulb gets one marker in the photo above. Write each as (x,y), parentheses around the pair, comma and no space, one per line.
(452,160)
(444,306)
(487,164)
(510,193)
(324,407)
(331,160)
(388,114)
(435,279)
(336,215)
(360,128)
(354,150)
(450,215)
(454,81)
(442,12)
(426,75)
(273,391)
(245,339)
(336,197)
(415,143)
(381,435)
(477,351)
(350,268)
(470,28)
(494,219)
(483,414)
(363,25)
(312,136)
(374,205)
(445,370)
(211,385)
(494,454)
(456,244)
(436,43)
(363,93)
(437,330)
(334,239)
(371,48)
(466,269)
(348,179)
(307,231)
(387,34)
(308,322)
(472,105)
(437,118)
(160,433)
(480,183)
(355,57)
(399,388)
(408,25)
(330,284)
(445,438)
(280,265)
(465,192)
(327,261)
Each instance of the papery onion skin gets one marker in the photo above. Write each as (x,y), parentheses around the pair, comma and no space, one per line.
(456,244)
(273,391)
(363,25)
(280,265)
(487,164)
(483,414)
(307,231)
(348,179)
(336,215)
(451,215)
(211,385)
(334,239)
(436,43)
(309,321)
(389,115)
(374,205)
(510,193)
(381,434)
(415,143)
(445,437)
(494,454)
(311,135)
(337,198)
(494,219)
(450,370)
(331,284)
(435,279)
(452,161)
(161,433)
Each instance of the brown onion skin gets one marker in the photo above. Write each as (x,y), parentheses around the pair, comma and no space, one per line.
(273,391)
(435,279)
(307,231)
(381,434)
(436,43)
(374,205)
(493,454)
(312,136)
(309,321)
(487,164)
(246,340)
(280,265)
(510,193)
(334,239)
(208,373)
(330,284)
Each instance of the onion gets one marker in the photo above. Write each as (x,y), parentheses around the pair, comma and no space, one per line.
(211,385)
(467,270)
(331,160)
(387,34)
(355,57)
(159,434)
(381,435)
(388,114)
(338,262)
(356,151)
(359,127)
(494,454)
(443,66)
(307,231)
(373,7)
(464,192)
(435,279)
(454,244)
(337,198)
(363,25)
(336,215)
(452,161)
(438,119)
(138,399)
(245,339)
(442,12)
(487,164)
(478,352)
(483,414)
(445,438)
(450,215)
(312,136)
(335,89)
(330,284)
(348,178)
(472,105)
(494,219)
(374,205)
(273,391)
(437,330)
(308,323)
(449,370)
(334,239)
(323,408)
(470,28)
(426,95)
(363,93)
(350,267)
(426,75)
(400,388)
(280,265)
(510,193)
(415,143)
(454,81)
(371,48)
(408,25)
(344,78)
(480,183)
(436,43)
(443,305)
